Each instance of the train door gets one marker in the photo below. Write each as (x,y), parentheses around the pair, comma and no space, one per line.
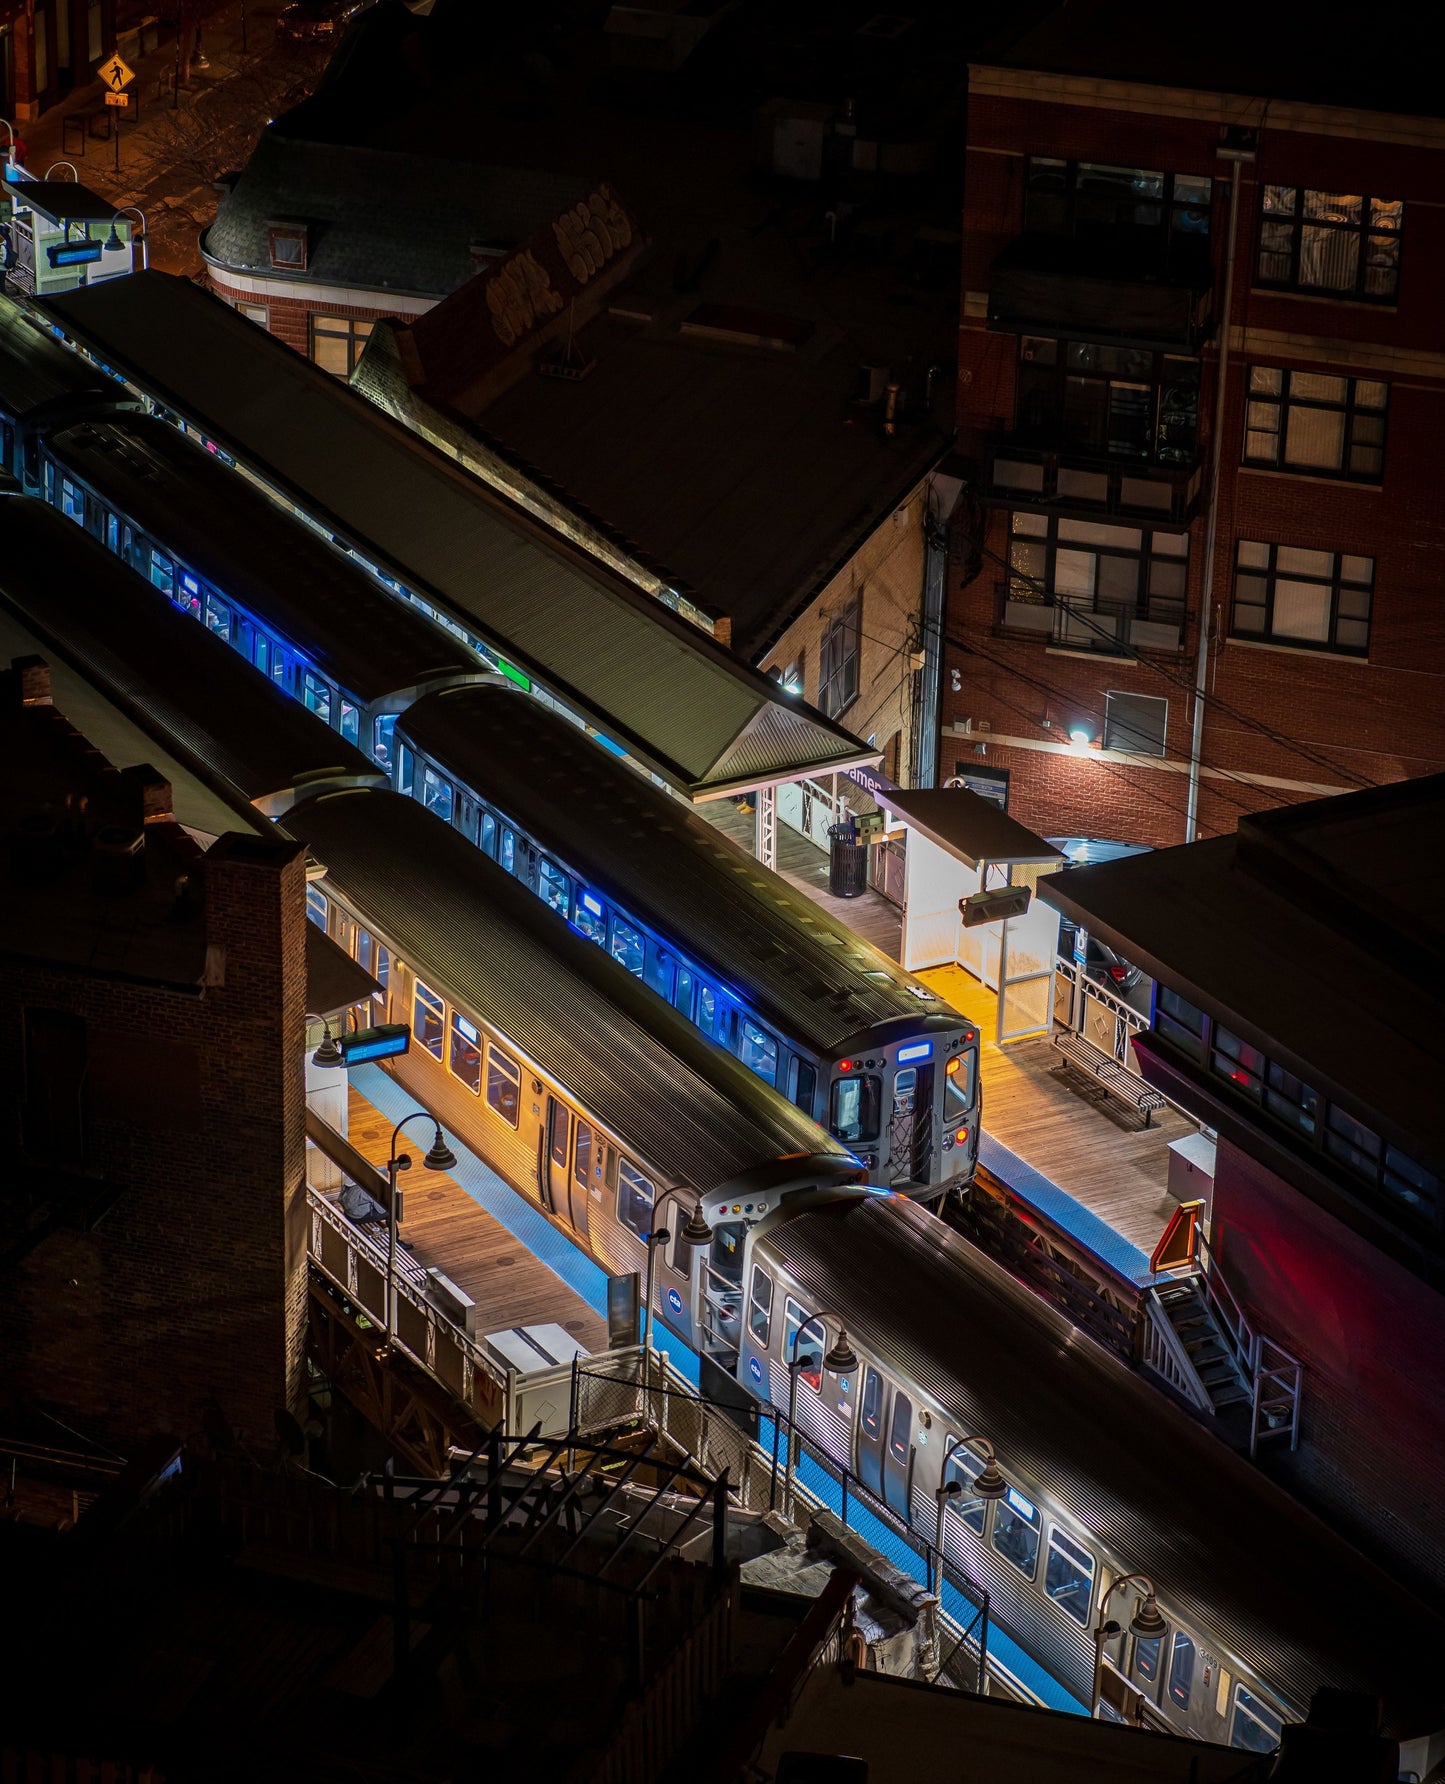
(871,1406)
(910,1125)
(898,1455)
(556,1148)
(588,1164)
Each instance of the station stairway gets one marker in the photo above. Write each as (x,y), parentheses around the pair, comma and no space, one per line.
(1216,1369)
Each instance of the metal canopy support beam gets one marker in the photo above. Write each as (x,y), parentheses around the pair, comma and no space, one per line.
(766,848)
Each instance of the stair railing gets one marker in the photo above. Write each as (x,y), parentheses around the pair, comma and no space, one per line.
(1277,1381)
(1228,1314)
(1165,1354)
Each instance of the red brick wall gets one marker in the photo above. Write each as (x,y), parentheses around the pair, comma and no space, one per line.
(193,1287)
(1372,1434)
(1335,721)
(290,316)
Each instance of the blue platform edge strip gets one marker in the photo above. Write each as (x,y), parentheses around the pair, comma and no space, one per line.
(1046,1198)
(530,1227)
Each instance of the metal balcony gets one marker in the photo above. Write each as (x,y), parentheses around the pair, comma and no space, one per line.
(1061,479)
(1111,629)
(1103,290)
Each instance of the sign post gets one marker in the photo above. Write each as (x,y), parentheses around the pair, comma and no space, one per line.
(117,75)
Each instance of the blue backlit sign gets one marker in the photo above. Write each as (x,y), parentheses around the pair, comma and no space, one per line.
(73,253)
(385,1042)
(919,1050)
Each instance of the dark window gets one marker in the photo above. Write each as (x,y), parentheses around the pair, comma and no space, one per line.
(1338,244)
(838,659)
(337,343)
(682,995)
(55,1076)
(1179,1022)
(582,1156)
(1069,1575)
(1114,402)
(558,1120)
(1107,578)
(1086,198)
(405,770)
(1181,1670)
(659,971)
(1316,423)
(900,1432)
(436,793)
(287,246)
(805,1085)
(760,1307)
(466,1053)
(72,500)
(627,946)
(855,1108)
(1016,1532)
(554,886)
(964,1466)
(426,1021)
(1239,1062)
(1319,600)
(504,1085)
(1147,1661)
(635,1195)
(871,1412)
(1255,1725)
(1137,723)
(1290,1098)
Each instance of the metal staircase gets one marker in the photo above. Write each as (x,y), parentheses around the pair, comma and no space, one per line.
(1202,1357)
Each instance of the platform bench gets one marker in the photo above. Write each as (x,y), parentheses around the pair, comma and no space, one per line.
(1086,1059)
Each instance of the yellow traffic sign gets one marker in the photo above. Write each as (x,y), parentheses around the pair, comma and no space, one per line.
(117,99)
(117,74)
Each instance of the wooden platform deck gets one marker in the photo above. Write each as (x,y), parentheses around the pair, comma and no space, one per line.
(446,1229)
(1097,1152)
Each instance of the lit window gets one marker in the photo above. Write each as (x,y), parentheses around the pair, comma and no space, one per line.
(436,793)
(553,886)
(627,946)
(350,722)
(964,1466)
(162,573)
(218,616)
(1315,423)
(838,660)
(1016,1532)
(856,1108)
(316,695)
(260,314)
(1318,600)
(426,1022)
(72,500)
(1069,1575)
(758,1051)
(466,1053)
(383,740)
(316,906)
(592,916)
(1338,244)
(337,343)
(1093,585)
(504,1085)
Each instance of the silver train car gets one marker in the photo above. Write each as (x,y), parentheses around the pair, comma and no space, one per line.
(1262,1603)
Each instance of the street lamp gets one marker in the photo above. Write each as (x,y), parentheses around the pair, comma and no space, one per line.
(328,1053)
(988,1483)
(695,1232)
(840,1360)
(1146,1623)
(440,1157)
(143,238)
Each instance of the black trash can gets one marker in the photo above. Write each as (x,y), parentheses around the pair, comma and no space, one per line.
(847,861)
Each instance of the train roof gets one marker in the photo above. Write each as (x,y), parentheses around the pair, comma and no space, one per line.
(459,921)
(1224,1546)
(675,698)
(37,372)
(169,673)
(370,642)
(810,976)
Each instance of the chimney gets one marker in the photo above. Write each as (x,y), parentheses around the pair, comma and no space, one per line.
(31,680)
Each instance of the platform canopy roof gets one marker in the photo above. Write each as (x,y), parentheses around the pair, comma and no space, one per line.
(669,695)
(970,827)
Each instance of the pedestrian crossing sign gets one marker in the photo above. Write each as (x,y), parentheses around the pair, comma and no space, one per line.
(116,74)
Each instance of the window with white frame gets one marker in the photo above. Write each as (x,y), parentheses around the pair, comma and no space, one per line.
(1315,423)
(838,660)
(1291,595)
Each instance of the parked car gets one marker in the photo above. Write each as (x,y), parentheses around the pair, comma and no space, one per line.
(304,21)
(1101,963)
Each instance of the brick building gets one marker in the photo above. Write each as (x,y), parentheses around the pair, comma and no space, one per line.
(1295,1015)
(1114,154)
(49,47)
(152,1217)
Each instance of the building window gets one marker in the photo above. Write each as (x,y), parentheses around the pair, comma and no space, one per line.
(1179,1022)
(1336,243)
(260,314)
(1307,421)
(287,245)
(1086,198)
(1104,582)
(337,341)
(1136,723)
(1318,599)
(1115,402)
(838,660)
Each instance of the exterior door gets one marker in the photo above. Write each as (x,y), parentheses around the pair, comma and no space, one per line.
(898,1455)
(910,1126)
(871,1408)
(556,1164)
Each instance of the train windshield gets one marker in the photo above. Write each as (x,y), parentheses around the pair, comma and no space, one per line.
(958,1086)
(856,1108)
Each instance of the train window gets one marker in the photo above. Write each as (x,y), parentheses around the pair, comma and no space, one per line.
(1181,1670)
(466,818)
(383,740)
(713,1017)
(558,1122)
(805,1085)
(871,1412)
(508,857)
(112,532)
(316,696)
(958,1087)
(1016,1532)
(72,500)
(634,1198)
(758,1051)
(682,995)
(363,945)
(466,1053)
(900,1432)
(436,793)
(279,672)
(964,1466)
(162,573)
(582,1156)
(405,770)
(350,722)
(553,886)
(855,1107)
(381,971)
(1148,1651)
(760,1307)
(659,971)
(316,906)
(1179,1021)
(426,1023)
(809,1346)
(727,1250)
(627,946)
(591,916)
(504,1082)
(218,614)
(488,838)
(1069,1575)
(1255,1725)
(261,652)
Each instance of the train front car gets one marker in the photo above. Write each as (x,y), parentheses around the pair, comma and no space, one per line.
(905,1098)
(968,1414)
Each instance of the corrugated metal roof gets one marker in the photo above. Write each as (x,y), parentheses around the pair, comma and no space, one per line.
(248,546)
(811,977)
(169,673)
(659,686)
(1226,1548)
(692,1112)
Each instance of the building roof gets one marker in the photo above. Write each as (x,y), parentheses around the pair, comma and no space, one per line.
(1314,933)
(1290,49)
(63,201)
(377,219)
(671,697)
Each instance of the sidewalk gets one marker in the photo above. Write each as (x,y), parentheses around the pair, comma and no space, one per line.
(170,155)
